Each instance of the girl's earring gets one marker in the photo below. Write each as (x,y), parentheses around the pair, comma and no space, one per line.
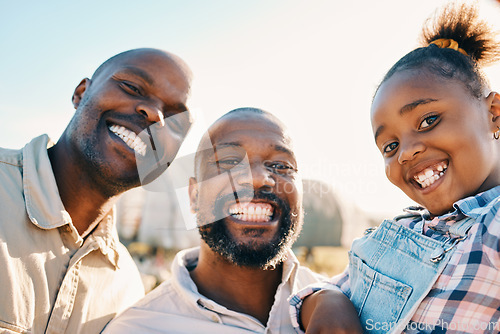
(496,134)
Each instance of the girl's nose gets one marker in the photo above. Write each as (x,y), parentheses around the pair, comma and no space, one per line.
(409,151)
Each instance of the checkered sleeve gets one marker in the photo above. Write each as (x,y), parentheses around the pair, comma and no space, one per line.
(491,234)
(338,283)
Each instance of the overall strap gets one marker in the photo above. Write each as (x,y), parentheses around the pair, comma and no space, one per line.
(461,228)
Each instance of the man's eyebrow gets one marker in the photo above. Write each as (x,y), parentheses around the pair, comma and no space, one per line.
(277,147)
(411,106)
(283,149)
(224,145)
(133,70)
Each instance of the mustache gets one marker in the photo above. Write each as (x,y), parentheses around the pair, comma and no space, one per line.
(247,195)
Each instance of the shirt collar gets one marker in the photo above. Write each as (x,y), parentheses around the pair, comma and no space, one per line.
(45,208)
(475,206)
(290,268)
(43,204)
(106,237)
(188,258)
(472,206)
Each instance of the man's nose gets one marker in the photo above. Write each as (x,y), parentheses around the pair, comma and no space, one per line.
(258,176)
(409,150)
(151,111)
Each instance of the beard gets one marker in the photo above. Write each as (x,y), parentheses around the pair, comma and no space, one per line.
(98,166)
(254,254)
(92,160)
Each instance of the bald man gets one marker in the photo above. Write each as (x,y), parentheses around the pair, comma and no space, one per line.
(63,268)
(247,196)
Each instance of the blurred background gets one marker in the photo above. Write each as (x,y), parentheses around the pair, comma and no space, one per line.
(314,64)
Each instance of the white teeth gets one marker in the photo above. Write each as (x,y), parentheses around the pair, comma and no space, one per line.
(117,129)
(130,138)
(137,141)
(430,175)
(253,212)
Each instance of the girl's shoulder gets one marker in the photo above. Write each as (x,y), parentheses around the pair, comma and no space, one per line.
(483,207)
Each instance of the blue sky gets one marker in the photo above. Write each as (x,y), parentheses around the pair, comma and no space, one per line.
(314,64)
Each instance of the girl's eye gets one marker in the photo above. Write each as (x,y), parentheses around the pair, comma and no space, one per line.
(427,122)
(390,147)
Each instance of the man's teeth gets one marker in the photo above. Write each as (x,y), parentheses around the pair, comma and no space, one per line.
(430,175)
(130,138)
(252,212)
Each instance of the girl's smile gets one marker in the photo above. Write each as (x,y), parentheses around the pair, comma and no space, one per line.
(430,175)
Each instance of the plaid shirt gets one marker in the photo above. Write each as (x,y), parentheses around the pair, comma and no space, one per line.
(466,296)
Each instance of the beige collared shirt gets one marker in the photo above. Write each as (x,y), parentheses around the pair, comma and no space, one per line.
(51,280)
(176,306)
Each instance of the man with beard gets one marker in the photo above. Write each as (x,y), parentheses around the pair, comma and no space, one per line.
(247,196)
(63,268)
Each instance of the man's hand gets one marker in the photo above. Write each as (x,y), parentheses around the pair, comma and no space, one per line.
(329,311)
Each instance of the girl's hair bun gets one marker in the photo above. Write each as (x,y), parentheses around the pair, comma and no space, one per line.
(460,22)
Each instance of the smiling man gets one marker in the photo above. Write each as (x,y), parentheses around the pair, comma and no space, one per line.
(247,196)
(63,268)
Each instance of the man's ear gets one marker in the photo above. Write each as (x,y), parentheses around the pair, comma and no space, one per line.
(79,92)
(193,195)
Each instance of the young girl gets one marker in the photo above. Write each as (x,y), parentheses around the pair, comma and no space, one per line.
(437,124)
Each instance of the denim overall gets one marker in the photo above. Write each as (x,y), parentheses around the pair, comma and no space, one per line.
(392,268)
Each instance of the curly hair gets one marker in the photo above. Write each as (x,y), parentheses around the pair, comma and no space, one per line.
(459,22)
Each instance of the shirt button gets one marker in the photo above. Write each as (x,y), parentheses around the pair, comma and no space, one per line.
(215,319)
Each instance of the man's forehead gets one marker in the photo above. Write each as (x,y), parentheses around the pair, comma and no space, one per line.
(237,132)
(240,145)
(145,56)
(136,71)
(141,60)
(244,123)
